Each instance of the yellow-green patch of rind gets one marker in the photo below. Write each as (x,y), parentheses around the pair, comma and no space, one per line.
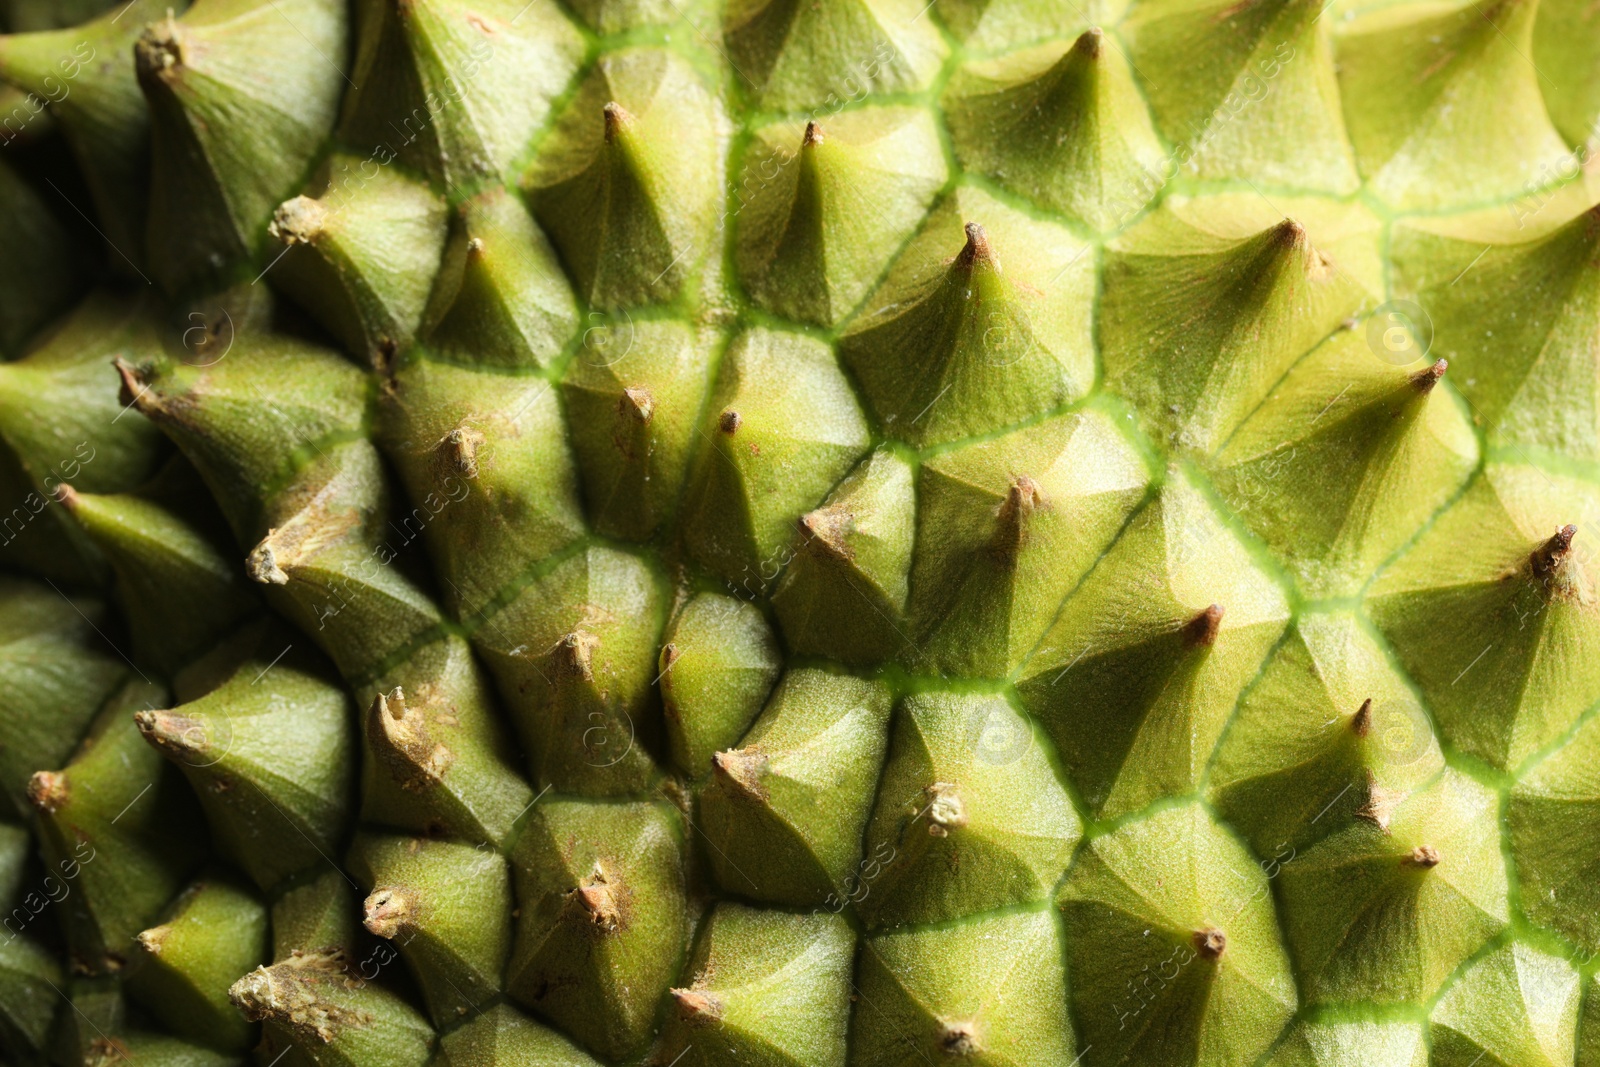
(1553,825)
(763,987)
(843,594)
(209,936)
(1352,1044)
(1327,735)
(981,323)
(1493,611)
(1140,671)
(575,655)
(627,181)
(823,206)
(1209,300)
(917,1004)
(1173,949)
(1566,40)
(602,919)
(785,812)
(781,429)
(969,818)
(485,461)
(1386,915)
(501,1034)
(1516,1005)
(1347,458)
(719,659)
(446,907)
(1006,528)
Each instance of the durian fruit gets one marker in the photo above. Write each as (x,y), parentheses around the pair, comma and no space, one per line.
(656,533)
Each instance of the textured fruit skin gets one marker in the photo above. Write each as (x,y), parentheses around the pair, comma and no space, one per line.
(802,535)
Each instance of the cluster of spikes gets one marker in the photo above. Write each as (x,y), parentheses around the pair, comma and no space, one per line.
(842,534)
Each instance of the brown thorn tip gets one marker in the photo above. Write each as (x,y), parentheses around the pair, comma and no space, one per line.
(638,402)
(977,249)
(1203,628)
(1424,856)
(47,790)
(1428,377)
(616,117)
(599,904)
(813,134)
(729,422)
(959,1039)
(1090,42)
(1548,557)
(386,911)
(1210,942)
(575,652)
(65,495)
(134,392)
(1362,723)
(1291,233)
(697,1007)
(742,767)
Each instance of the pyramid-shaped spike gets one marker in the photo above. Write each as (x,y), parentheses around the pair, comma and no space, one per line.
(269,753)
(627,182)
(822,208)
(439,759)
(785,812)
(783,429)
(1061,124)
(56,672)
(97,106)
(1006,528)
(500,297)
(912,983)
(791,53)
(225,152)
(1388,914)
(120,827)
(981,323)
(311,1004)
(180,587)
(1346,460)
(843,595)
(752,970)
(210,935)
(492,484)
(971,822)
(1226,81)
(1491,624)
(633,396)
(575,655)
(1418,84)
(1173,950)
(474,82)
(1528,370)
(446,906)
(1208,301)
(602,922)
(1328,734)
(1156,675)
(719,659)
(361,255)
(992,26)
